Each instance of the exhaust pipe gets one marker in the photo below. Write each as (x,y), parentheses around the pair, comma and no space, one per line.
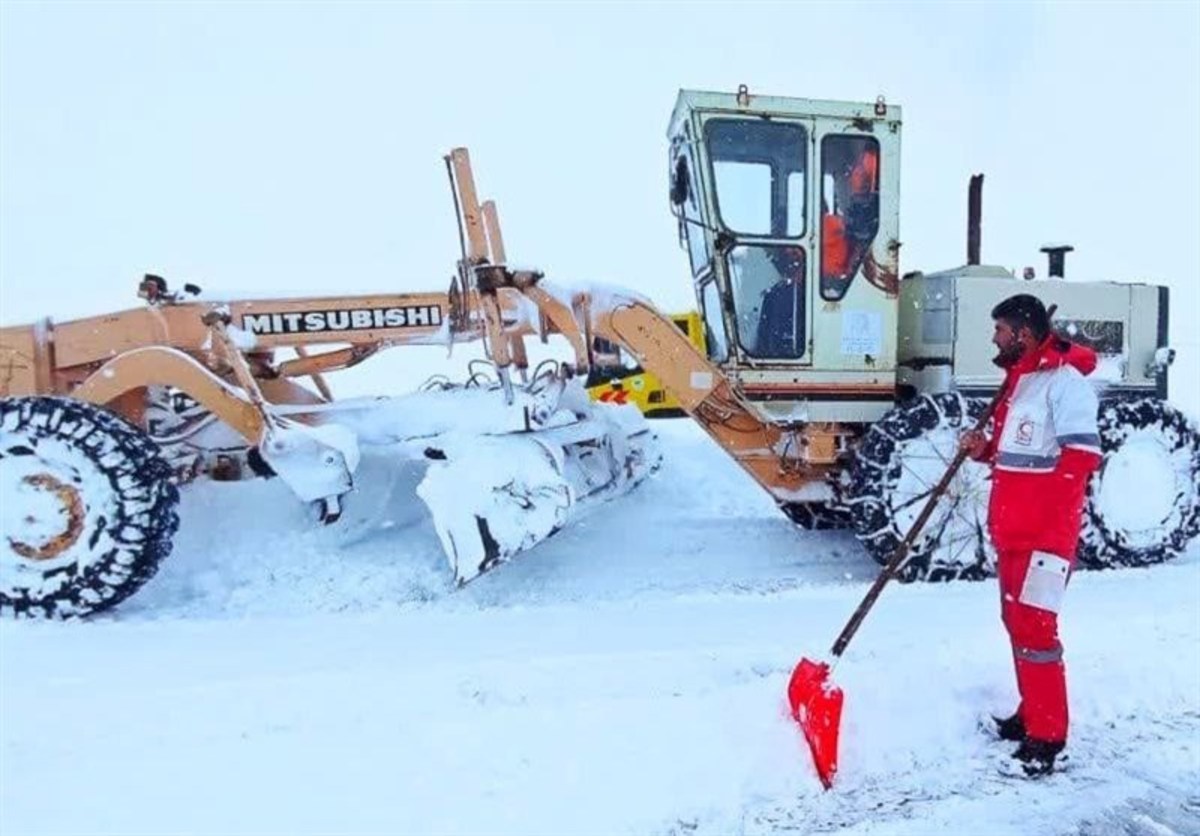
(974,217)
(1057,253)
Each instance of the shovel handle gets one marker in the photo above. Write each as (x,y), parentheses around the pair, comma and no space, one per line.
(901,551)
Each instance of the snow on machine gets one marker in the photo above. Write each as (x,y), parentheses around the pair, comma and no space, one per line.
(103,419)
(837,384)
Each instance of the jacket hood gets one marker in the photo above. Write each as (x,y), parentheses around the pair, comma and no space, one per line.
(1055,352)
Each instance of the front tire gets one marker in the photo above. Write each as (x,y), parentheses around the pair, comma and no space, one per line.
(896,467)
(89,509)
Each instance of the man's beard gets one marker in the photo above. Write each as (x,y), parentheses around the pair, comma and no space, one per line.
(1008,357)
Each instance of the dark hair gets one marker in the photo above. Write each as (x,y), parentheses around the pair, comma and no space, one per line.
(1024,311)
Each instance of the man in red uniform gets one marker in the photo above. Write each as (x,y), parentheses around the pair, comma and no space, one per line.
(1044,447)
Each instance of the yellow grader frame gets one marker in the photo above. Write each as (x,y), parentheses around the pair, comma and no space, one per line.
(224,357)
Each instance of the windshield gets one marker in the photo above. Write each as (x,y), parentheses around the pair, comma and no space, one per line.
(759,173)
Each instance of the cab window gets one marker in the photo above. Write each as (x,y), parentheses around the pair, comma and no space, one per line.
(849,210)
(769,297)
(714,323)
(697,239)
(759,172)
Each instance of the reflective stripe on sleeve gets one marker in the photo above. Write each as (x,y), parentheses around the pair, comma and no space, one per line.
(1088,441)
(1025,461)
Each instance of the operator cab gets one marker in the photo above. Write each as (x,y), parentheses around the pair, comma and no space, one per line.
(787,210)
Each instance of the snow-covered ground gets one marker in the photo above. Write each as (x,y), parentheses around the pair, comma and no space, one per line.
(626,676)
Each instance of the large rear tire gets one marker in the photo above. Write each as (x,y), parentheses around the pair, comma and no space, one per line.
(896,466)
(89,509)
(1143,503)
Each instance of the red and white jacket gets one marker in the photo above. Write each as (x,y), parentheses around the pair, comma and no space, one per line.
(1044,447)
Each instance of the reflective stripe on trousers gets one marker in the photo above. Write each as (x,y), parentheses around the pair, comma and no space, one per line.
(1040,657)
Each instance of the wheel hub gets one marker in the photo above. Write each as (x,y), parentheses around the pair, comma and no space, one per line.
(50,519)
(1140,515)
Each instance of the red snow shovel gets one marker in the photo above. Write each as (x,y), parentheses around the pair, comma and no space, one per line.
(816,702)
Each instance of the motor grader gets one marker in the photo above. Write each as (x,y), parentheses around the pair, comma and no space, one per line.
(834,383)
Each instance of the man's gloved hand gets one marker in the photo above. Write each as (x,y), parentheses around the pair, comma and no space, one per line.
(974,442)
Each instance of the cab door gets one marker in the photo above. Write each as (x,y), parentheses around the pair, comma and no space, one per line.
(856,267)
(761,196)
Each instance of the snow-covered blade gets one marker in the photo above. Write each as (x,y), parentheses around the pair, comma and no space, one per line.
(493,497)
(501,477)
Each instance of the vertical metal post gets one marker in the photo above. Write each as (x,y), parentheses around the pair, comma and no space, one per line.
(491,225)
(974,218)
(460,161)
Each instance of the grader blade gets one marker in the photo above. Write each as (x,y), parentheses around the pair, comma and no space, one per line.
(492,498)
(502,477)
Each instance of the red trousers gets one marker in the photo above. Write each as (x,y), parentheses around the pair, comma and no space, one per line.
(1037,652)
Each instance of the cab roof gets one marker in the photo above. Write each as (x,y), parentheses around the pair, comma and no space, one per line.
(692,100)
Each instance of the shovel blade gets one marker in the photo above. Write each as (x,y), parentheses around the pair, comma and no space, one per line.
(817,706)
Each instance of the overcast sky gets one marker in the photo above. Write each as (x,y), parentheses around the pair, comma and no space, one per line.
(267,148)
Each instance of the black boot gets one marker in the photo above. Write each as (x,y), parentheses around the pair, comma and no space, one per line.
(1036,757)
(1010,728)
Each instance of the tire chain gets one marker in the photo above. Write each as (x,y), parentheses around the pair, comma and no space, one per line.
(1101,547)
(144,496)
(877,471)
